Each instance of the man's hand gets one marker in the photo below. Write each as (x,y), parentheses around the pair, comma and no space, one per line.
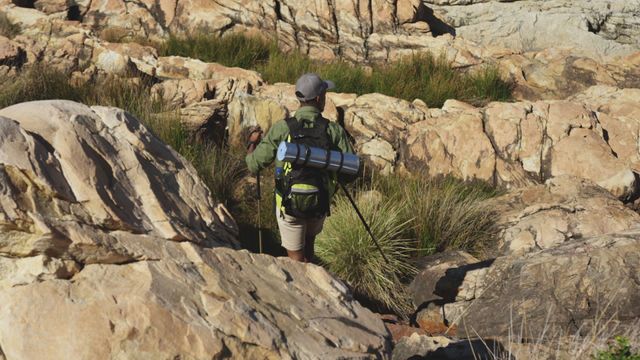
(255,135)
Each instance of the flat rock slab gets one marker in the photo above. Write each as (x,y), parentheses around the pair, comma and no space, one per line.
(192,303)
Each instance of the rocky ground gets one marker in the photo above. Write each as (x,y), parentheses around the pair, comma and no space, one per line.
(111,247)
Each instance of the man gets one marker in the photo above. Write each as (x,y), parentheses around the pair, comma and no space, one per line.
(302,194)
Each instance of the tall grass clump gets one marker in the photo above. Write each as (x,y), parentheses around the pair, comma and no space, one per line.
(420,76)
(7,28)
(232,50)
(345,248)
(450,214)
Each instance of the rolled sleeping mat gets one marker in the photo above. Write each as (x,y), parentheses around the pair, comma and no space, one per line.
(330,160)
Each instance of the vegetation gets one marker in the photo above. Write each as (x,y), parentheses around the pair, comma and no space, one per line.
(421,76)
(619,350)
(412,216)
(346,249)
(7,28)
(451,213)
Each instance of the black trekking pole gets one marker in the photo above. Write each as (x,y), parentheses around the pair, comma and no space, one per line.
(364,222)
(259,214)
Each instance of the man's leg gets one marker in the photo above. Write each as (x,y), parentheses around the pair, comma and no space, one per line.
(292,234)
(314,227)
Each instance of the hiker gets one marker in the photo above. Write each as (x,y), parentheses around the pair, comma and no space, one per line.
(303,194)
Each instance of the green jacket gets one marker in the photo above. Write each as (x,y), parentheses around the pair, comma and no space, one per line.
(265,152)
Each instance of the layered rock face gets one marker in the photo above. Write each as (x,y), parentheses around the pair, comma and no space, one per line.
(111,247)
(596,29)
(512,144)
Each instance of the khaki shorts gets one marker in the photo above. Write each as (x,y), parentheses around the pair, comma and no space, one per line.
(294,231)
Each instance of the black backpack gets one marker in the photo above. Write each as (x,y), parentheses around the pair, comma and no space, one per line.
(304,190)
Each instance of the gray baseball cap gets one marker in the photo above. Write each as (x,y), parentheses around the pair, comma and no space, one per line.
(310,85)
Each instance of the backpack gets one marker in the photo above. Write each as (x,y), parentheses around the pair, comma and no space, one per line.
(304,190)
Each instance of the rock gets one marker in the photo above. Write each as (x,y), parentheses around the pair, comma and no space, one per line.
(568,288)
(51,6)
(618,112)
(563,209)
(284,94)
(400,331)
(585,154)
(206,120)
(426,287)
(451,142)
(431,319)
(378,124)
(594,29)
(180,93)
(419,346)
(190,303)
(176,67)
(113,229)
(247,110)
(77,185)
(11,54)
(442,348)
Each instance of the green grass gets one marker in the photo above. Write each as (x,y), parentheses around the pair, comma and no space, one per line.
(421,76)
(619,350)
(450,214)
(7,28)
(345,248)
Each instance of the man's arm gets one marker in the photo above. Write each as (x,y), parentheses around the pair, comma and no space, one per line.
(265,152)
(340,139)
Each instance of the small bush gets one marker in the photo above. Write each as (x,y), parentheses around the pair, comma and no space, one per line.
(620,350)
(421,76)
(7,28)
(345,248)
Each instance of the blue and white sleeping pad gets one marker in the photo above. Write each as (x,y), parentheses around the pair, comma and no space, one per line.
(330,160)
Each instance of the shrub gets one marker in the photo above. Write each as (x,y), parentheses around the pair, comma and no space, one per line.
(7,28)
(345,248)
(619,350)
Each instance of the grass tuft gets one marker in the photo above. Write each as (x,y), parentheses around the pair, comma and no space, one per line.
(7,28)
(346,249)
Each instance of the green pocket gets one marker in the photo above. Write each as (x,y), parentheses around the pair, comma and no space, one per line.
(304,198)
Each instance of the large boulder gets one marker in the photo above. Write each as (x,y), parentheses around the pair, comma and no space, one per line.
(111,247)
(574,286)
(563,209)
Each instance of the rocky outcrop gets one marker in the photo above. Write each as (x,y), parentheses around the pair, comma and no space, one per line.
(575,285)
(510,144)
(563,209)
(186,302)
(596,29)
(358,32)
(113,229)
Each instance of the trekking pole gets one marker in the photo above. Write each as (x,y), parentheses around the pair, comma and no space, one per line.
(259,214)
(364,222)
